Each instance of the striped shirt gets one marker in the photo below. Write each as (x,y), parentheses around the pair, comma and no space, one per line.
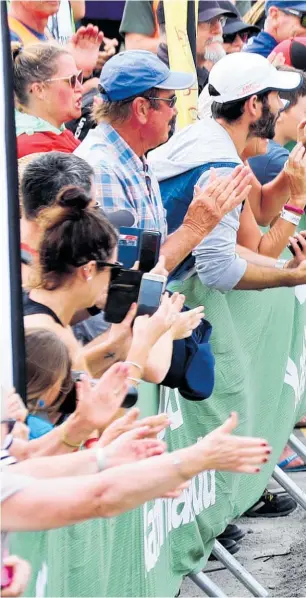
(123,180)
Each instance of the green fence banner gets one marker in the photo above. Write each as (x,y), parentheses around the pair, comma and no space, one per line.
(259,341)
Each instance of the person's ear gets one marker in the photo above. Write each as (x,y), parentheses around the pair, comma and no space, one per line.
(252,106)
(88,271)
(38,89)
(141,108)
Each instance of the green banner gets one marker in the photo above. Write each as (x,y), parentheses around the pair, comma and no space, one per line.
(259,341)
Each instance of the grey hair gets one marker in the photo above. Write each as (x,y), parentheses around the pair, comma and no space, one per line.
(37,62)
(45,176)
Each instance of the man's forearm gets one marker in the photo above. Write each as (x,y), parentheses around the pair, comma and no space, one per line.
(179,245)
(258,278)
(255,258)
(80,463)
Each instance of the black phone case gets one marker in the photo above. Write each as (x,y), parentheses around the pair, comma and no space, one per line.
(147,257)
(123,291)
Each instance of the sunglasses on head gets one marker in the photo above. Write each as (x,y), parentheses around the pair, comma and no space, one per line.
(230,37)
(72,80)
(302,16)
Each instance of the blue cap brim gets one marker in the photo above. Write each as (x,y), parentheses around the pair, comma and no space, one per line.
(177,80)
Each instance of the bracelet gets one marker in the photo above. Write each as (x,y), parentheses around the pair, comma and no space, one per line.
(289,217)
(280,264)
(68,443)
(294,209)
(136,380)
(136,365)
(101,458)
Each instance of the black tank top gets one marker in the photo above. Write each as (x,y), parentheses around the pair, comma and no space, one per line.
(31,307)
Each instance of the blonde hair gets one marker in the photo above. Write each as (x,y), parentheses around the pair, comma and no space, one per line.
(37,62)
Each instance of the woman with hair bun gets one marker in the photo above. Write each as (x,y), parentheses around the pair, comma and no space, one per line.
(77,252)
(48,91)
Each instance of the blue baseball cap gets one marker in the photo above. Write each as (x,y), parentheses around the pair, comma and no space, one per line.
(132,72)
(295,5)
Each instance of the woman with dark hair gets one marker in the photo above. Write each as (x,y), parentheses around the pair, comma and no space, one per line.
(77,252)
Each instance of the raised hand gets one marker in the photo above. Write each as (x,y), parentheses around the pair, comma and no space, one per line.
(301,132)
(186,322)
(219,197)
(295,169)
(226,452)
(133,446)
(130,421)
(97,405)
(84,46)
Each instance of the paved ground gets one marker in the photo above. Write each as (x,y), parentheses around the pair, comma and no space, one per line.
(274,552)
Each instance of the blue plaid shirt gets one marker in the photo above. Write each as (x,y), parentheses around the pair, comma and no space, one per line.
(123,180)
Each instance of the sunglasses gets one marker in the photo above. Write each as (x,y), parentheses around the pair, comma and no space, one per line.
(171,101)
(115,267)
(72,80)
(302,16)
(230,37)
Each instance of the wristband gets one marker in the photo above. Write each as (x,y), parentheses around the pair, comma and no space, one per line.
(136,365)
(136,380)
(294,209)
(290,217)
(280,264)
(101,458)
(68,443)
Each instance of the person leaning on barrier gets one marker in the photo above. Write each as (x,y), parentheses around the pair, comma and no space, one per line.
(219,142)
(76,493)
(136,115)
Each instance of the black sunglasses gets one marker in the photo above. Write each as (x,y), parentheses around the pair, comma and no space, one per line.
(302,16)
(229,38)
(10,422)
(115,267)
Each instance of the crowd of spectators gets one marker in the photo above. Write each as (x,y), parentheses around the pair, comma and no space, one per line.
(95,116)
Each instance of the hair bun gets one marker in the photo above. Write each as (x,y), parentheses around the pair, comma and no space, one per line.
(75,199)
(16,50)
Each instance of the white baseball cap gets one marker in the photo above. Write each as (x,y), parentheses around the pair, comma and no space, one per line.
(242,74)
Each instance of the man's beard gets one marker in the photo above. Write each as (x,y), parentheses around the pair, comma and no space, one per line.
(214,50)
(264,127)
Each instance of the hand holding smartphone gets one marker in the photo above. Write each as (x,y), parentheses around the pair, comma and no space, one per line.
(150,293)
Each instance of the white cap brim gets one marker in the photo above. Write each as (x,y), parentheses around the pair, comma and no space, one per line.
(277,81)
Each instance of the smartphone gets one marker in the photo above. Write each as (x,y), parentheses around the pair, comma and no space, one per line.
(290,247)
(128,245)
(149,247)
(150,293)
(130,398)
(123,291)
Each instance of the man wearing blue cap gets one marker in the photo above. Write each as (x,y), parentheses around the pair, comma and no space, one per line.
(136,115)
(284,19)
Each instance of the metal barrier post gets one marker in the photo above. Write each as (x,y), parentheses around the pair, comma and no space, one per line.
(297,446)
(207,585)
(238,570)
(292,488)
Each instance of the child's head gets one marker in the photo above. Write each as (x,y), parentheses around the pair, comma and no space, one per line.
(48,369)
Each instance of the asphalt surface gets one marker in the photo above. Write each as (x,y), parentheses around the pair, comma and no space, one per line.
(273,551)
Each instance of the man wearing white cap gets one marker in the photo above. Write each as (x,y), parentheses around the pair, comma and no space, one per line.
(135,115)
(245,90)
